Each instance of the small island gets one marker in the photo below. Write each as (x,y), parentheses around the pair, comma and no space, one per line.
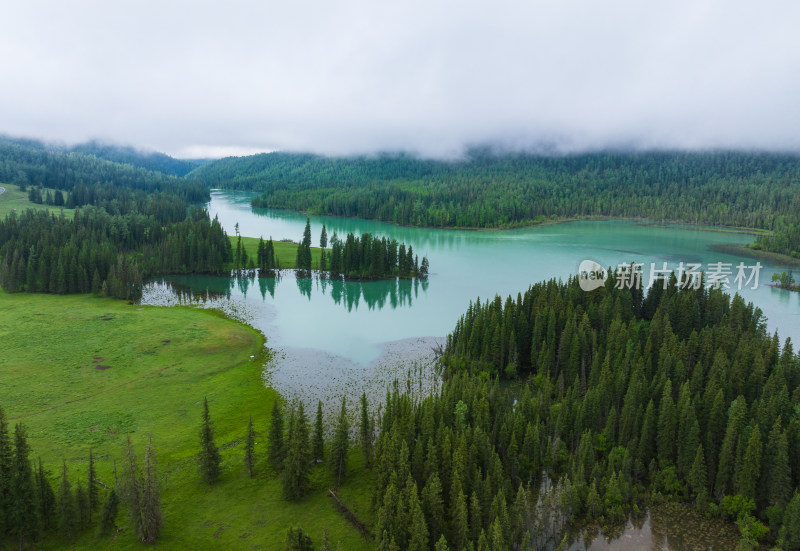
(785,280)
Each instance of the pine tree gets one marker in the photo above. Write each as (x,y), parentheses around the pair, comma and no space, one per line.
(459,524)
(92,492)
(67,507)
(298,540)
(82,506)
(340,445)
(45,498)
(441,544)
(109,515)
(698,476)
(318,446)
(433,506)
(296,467)
(151,497)
(750,471)
(666,428)
(367,430)
(790,532)
(209,459)
(276,448)
(249,445)
(132,488)
(418,540)
(777,471)
(24,517)
(6,469)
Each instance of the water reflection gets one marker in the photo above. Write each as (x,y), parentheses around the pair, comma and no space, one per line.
(374,295)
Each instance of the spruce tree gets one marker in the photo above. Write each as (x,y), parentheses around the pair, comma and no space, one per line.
(698,476)
(6,469)
(92,491)
(276,448)
(151,498)
(68,515)
(24,517)
(45,498)
(318,445)
(790,532)
(340,445)
(209,459)
(131,488)
(777,471)
(82,506)
(109,515)
(298,540)
(750,470)
(418,540)
(249,446)
(367,430)
(297,467)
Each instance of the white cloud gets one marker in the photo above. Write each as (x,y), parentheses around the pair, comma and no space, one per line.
(430,77)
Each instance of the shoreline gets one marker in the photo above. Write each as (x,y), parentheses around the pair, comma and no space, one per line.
(758,254)
(532,224)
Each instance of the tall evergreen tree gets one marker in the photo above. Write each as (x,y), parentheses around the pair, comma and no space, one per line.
(276,447)
(108,517)
(209,458)
(318,445)
(91,484)
(750,471)
(131,487)
(790,532)
(298,540)
(24,517)
(249,448)
(367,430)
(340,445)
(777,472)
(296,466)
(151,497)
(45,498)
(6,470)
(68,515)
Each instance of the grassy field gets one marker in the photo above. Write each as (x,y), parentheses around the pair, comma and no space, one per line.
(83,372)
(14,199)
(285,252)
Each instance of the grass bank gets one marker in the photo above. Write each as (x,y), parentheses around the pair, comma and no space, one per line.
(84,372)
(758,254)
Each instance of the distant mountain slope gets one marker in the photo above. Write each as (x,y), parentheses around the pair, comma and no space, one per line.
(149,160)
(157,162)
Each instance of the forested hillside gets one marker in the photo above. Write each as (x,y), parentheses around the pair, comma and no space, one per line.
(617,400)
(148,160)
(754,190)
(130,223)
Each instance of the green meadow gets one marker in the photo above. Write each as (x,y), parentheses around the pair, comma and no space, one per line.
(83,372)
(13,199)
(285,252)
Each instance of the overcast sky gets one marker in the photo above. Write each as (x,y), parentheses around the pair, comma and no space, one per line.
(217,78)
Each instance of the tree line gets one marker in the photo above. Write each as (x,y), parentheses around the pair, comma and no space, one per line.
(492,190)
(31,509)
(105,254)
